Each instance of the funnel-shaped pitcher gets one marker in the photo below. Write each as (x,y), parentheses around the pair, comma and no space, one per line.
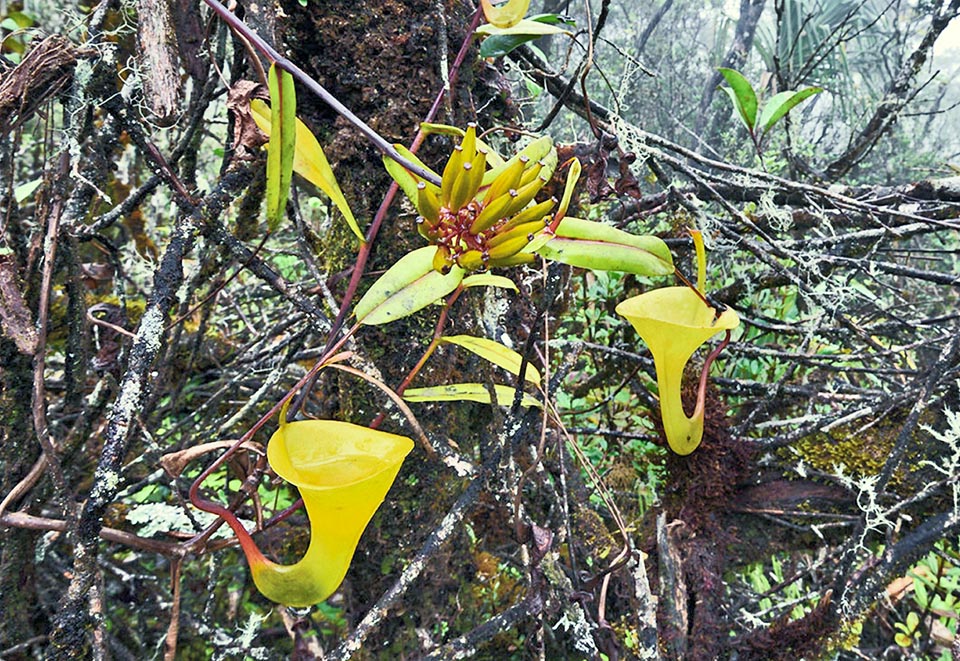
(674,322)
(343,472)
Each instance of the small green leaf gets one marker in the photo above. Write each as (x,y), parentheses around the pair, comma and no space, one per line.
(903,640)
(496,353)
(282,145)
(913,620)
(467,392)
(782,103)
(593,245)
(743,97)
(408,286)
(920,592)
(489,280)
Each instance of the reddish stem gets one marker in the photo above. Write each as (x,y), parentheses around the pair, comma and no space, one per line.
(434,343)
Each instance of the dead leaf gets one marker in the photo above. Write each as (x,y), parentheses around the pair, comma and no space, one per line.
(247,137)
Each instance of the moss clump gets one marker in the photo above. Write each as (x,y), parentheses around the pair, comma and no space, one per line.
(857,455)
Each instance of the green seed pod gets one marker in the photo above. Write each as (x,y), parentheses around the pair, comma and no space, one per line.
(461,192)
(512,260)
(523,197)
(428,204)
(469,143)
(509,179)
(450,173)
(442,263)
(471,260)
(531,173)
(477,167)
(536,212)
(535,151)
(509,247)
(426,230)
(527,230)
(492,212)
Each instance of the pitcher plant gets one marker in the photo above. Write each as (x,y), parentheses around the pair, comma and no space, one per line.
(675,322)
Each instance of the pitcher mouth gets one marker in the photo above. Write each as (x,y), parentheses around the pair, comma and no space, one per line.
(328,454)
(677,306)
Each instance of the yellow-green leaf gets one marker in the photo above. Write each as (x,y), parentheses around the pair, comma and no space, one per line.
(467,392)
(404,178)
(496,353)
(310,162)
(282,145)
(408,286)
(573,175)
(592,245)
(506,14)
(522,28)
(489,280)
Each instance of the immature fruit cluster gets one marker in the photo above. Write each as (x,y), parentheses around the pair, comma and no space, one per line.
(480,219)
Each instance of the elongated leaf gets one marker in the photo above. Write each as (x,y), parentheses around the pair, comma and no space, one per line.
(404,178)
(282,145)
(496,353)
(782,103)
(467,392)
(489,280)
(573,175)
(503,40)
(743,97)
(408,286)
(592,245)
(506,14)
(525,28)
(310,162)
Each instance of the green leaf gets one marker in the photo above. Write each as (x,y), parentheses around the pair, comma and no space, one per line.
(913,621)
(496,353)
(467,392)
(282,145)
(408,286)
(404,178)
(743,97)
(310,162)
(903,640)
(920,592)
(503,40)
(782,103)
(592,245)
(489,280)
(528,27)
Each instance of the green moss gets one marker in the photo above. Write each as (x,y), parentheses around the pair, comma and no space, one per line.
(857,454)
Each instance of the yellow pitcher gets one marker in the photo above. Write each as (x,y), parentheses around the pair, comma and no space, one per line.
(343,472)
(674,322)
